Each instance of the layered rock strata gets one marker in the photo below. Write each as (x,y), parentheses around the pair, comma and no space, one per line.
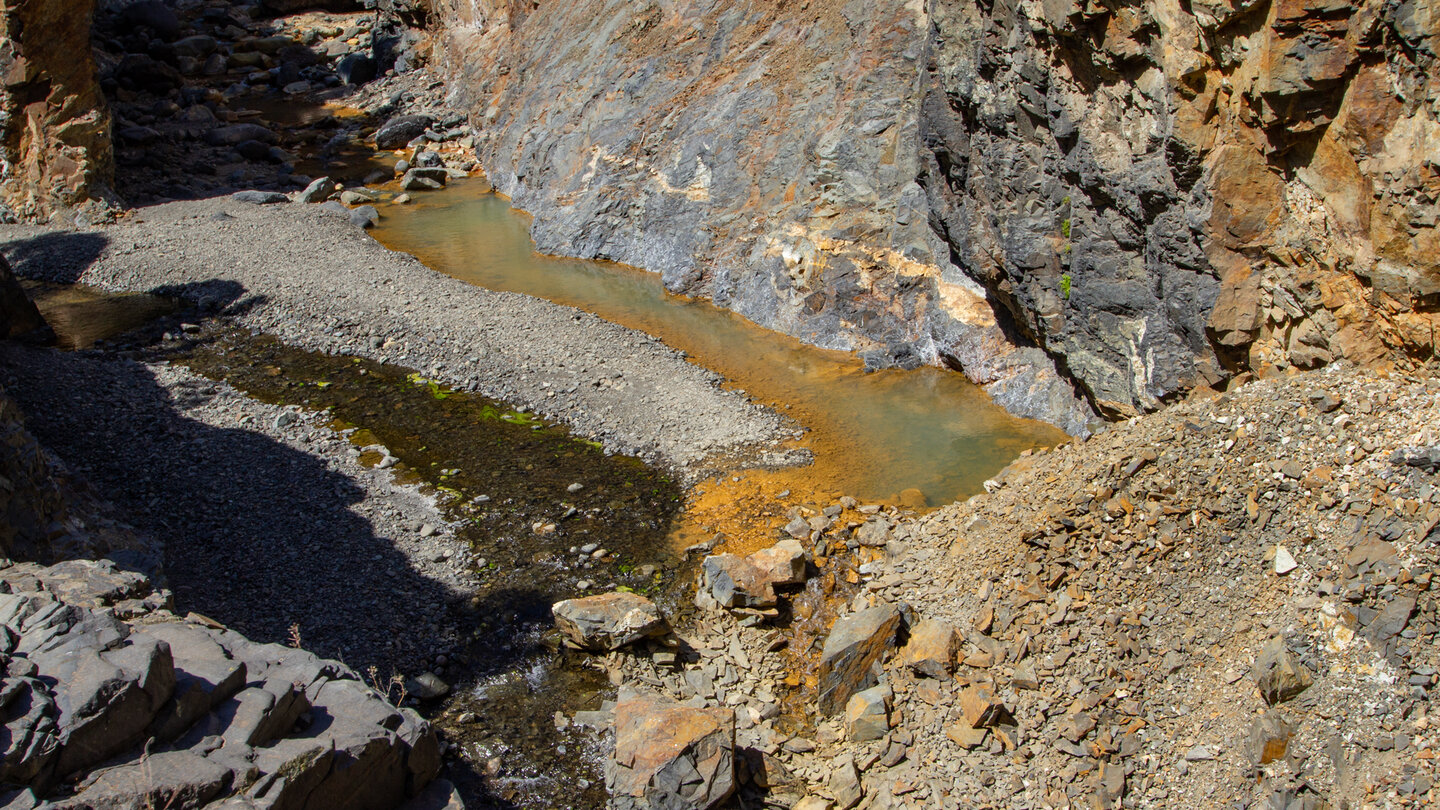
(1158,196)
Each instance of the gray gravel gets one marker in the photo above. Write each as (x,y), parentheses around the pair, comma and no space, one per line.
(311,278)
(265,521)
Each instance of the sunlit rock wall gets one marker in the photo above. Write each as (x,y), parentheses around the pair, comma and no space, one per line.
(54,126)
(1156,195)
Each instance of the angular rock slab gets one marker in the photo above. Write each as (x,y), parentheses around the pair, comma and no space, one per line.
(854,647)
(609,621)
(735,582)
(669,756)
(931,649)
(1277,673)
(781,564)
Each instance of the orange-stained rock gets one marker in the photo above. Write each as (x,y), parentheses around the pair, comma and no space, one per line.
(54,123)
(670,756)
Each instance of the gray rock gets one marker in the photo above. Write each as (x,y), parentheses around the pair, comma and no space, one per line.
(319,190)
(427,686)
(401,130)
(856,644)
(609,621)
(259,197)
(239,133)
(175,779)
(366,216)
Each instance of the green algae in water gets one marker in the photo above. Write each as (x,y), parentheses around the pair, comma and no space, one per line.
(505,477)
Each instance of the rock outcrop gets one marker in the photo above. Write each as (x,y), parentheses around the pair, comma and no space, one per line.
(1144,196)
(54,124)
(110,700)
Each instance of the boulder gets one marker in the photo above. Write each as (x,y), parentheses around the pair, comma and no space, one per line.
(423,179)
(854,648)
(867,714)
(235,134)
(319,190)
(931,648)
(671,756)
(259,197)
(782,563)
(401,130)
(366,216)
(609,621)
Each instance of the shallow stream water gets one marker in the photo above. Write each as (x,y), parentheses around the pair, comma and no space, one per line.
(918,438)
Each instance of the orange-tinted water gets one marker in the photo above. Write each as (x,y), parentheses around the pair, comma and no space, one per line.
(874,436)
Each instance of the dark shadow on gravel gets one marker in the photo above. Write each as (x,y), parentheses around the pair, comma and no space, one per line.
(59,256)
(257,535)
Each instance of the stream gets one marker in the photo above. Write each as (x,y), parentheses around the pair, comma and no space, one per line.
(913,438)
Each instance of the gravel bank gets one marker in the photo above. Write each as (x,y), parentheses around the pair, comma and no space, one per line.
(266,516)
(311,278)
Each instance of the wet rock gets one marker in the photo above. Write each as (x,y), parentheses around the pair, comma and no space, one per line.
(401,130)
(670,756)
(931,649)
(366,216)
(609,621)
(427,686)
(419,178)
(1279,675)
(867,714)
(856,644)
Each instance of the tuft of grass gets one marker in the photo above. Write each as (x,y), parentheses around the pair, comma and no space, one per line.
(1065,286)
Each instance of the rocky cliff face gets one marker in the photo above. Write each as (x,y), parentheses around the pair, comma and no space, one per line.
(1163,195)
(1156,195)
(54,127)
(757,154)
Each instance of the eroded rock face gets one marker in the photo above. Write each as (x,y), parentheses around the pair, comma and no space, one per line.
(765,159)
(54,127)
(1156,196)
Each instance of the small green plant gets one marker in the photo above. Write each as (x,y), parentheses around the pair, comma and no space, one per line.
(1065,227)
(1065,286)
